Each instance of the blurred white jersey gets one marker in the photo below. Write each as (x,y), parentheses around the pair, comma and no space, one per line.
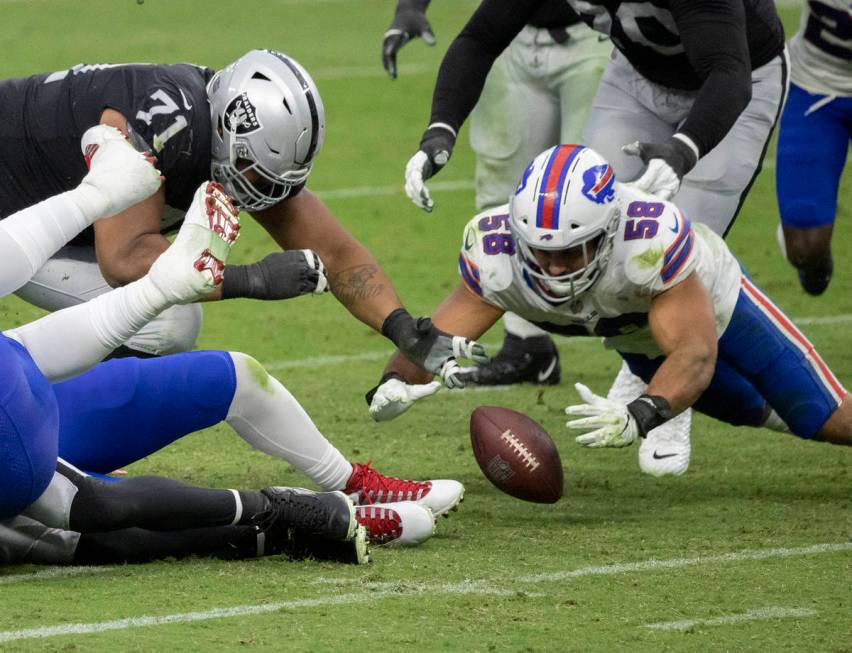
(654,248)
(821,51)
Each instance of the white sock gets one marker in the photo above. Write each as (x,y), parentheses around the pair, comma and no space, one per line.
(31,236)
(68,342)
(775,423)
(268,417)
(519,327)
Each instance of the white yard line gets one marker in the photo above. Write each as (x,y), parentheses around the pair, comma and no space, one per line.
(760,614)
(402,590)
(53,572)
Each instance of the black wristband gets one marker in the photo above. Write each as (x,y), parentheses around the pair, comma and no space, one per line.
(386,377)
(395,324)
(683,157)
(650,411)
(237,281)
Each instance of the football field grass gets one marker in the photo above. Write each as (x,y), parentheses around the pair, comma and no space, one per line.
(750,550)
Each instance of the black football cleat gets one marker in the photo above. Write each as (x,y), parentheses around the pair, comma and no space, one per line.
(355,551)
(522,360)
(815,279)
(330,515)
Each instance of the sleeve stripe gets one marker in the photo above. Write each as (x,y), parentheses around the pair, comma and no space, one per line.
(470,274)
(674,266)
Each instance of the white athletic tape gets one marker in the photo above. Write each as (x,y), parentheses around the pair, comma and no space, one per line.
(760,614)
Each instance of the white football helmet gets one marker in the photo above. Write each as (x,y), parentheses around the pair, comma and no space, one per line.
(565,199)
(268,124)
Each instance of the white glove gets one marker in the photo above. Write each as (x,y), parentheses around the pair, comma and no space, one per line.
(193,265)
(393,397)
(415,187)
(121,175)
(608,424)
(667,164)
(659,179)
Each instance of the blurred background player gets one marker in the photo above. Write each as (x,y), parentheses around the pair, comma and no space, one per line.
(686,108)
(256,127)
(551,71)
(591,257)
(813,139)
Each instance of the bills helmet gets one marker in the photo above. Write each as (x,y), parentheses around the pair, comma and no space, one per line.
(268,123)
(565,199)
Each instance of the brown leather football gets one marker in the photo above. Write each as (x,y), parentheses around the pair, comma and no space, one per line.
(516,454)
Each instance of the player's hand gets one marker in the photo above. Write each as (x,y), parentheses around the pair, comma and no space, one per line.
(607,423)
(393,396)
(281,275)
(121,175)
(430,348)
(194,263)
(408,23)
(667,164)
(436,146)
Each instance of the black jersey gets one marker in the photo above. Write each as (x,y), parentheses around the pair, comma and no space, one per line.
(652,35)
(43,117)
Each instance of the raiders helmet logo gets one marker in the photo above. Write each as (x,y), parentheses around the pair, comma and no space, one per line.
(241,116)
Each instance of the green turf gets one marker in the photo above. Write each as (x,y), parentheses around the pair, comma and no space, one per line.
(468,589)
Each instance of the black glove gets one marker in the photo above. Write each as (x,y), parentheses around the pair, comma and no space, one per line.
(408,23)
(280,275)
(677,154)
(429,347)
(437,143)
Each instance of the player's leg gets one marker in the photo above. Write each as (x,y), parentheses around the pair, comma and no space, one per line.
(625,109)
(813,140)
(124,410)
(29,427)
(72,277)
(506,138)
(765,346)
(714,191)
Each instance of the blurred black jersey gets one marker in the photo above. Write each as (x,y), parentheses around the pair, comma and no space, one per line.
(43,117)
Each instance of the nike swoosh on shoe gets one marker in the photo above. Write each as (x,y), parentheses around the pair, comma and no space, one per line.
(542,375)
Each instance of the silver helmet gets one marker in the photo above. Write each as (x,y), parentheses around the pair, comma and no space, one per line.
(268,122)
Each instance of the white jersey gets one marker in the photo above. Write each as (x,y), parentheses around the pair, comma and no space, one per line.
(652,251)
(821,51)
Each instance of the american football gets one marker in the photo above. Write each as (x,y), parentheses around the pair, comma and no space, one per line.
(516,454)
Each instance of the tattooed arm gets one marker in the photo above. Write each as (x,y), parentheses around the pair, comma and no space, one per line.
(304,222)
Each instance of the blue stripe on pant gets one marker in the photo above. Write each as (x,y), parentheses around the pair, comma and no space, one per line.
(126,409)
(758,363)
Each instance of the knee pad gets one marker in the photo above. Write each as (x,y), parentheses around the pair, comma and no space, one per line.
(175,330)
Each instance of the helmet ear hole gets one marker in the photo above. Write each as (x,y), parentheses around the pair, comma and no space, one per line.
(259,75)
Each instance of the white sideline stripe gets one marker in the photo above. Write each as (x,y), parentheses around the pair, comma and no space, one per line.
(674,563)
(318,361)
(398,590)
(407,590)
(55,572)
(760,614)
(375,191)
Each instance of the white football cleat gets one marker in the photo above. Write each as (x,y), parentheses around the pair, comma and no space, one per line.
(194,263)
(121,175)
(367,486)
(665,450)
(396,524)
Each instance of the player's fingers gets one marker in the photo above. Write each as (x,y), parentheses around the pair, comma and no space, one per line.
(590,422)
(428,36)
(587,395)
(425,390)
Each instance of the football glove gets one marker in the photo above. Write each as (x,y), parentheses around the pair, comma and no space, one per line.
(393,396)
(607,423)
(667,164)
(120,175)
(431,348)
(408,23)
(436,146)
(194,263)
(281,275)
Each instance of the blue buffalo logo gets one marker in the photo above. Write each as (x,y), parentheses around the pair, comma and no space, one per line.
(598,184)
